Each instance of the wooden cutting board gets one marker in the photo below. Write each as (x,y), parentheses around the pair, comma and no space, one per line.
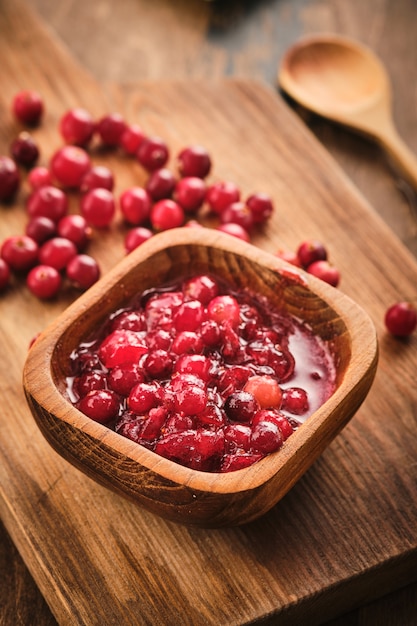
(346,533)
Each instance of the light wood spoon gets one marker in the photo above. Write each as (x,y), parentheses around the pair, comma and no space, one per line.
(344,81)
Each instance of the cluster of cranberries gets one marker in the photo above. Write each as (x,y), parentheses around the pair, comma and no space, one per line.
(54,241)
(200,374)
(312,256)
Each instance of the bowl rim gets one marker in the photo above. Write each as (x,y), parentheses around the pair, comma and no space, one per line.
(38,377)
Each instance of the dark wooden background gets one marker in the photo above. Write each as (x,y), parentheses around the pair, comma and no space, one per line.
(131,40)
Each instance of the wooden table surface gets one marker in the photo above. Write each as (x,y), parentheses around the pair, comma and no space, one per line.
(137,39)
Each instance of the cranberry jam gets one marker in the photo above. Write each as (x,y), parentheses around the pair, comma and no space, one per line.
(201,374)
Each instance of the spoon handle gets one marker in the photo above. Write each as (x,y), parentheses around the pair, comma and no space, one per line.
(400,153)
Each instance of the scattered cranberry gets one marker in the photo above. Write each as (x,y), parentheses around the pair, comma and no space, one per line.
(77,127)
(238,213)
(39,177)
(69,165)
(289,256)
(135,237)
(20,252)
(235,230)
(166,214)
(44,281)
(97,176)
(75,228)
(28,107)
(152,153)
(325,271)
(194,161)
(401,319)
(57,252)
(310,251)
(190,193)
(24,150)
(260,206)
(4,274)
(40,228)
(135,205)
(83,271)
(9,178)
(160,184)
(131,139)
(49,202)
(98,207)
(111,128)
(220,195)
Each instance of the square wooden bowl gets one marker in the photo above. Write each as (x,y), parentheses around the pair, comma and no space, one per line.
(163,486)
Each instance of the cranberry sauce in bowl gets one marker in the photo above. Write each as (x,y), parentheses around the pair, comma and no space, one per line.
(206,375)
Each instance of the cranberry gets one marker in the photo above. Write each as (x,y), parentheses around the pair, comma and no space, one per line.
(9,178)
(57,252)
(44,281)
(277,418)
(111,128)
(194,161)
(98,207)
(69,165)
(89,381)
(260,206)
(39,177)
(160,184)
(233,378)
(49,202)
(75,228)
(28,107)
(40,228)
(401,319)
(196,364)
(189,316)
(158,339)
(97,176)
(190,400)
(289,256)
(295,400)
(240,406)
(266,391)
(166,214)
(24,150)
(4,274)
(266,437)
(129,320)
(83,271)
(20,252)
(145,396)
(202,288)
(152,153)
(158,364)
(120,347)
(238,436)
(135,205)
(326,272)
(220,195)
(187,342)
(235,230)
(122,378)
(190,193)
(77,127)
(101,405)
(131,139)
(135,237)
(224,308)
(310,251)
(233,462)
(238,213)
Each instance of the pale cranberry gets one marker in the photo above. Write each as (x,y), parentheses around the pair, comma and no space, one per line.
(190,193)
(240,406)
(202,288)
(110,129)
(131,138)
(135,205)
(220,195)
(401,319)
(235,230)
(40,229)
(39,177)
(266,391)
(135,237)
(194,161)
(9,178)
(49,202)
(4,274)
(97,176)
(160,184)
(75,228)
(261,207)
(77,127)
(166,214)
(57,252)
(152,153)
(266,437)
(69,165)
(295,400)
(101,405)
(224,309)
(98,207)
(238,213)
(83,271)
(20,252)
(310,251)
(24,150)
(44,281)
(28,107)
(325,271)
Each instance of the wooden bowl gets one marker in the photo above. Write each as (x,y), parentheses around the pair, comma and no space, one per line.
(162,486)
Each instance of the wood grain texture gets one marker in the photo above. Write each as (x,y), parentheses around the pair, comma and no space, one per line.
(365,166)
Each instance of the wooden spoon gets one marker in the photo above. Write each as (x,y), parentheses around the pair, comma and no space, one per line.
(344,81)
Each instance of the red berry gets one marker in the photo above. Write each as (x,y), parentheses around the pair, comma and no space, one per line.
(83,271)
(238,213)
(135,205)
(111,128)
(39,177)
(44,281)
(266,437)
(235,230)
(131,139)
(75,228)
(220,195)
(49,202)
(190,193)
(241,406)
(136,236)
(260,206)
(295,400)
(202,288)
(101,405)
(9,178)
(28,107)
(289,256)
(152,153)
(4,274)
(194,161)
(401,319)
(40,228)
(123,378)
(24,150)
(69,165)
(97,176)
(57,252)
(145,396)
(224,309)
(20,252)
(121,346)
(77,127)
(310,251)
(325,271)
(98,207)
(160,184)
(166,214)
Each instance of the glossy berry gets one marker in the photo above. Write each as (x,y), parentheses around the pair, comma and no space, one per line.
(39,176)
(9,178)
(135,237)
(28,107)
(241,406)
(101,405)
(77,127)
(325,271)
(152,153)
(266,390)
(4,274)
(75,228)
(224,309)
(44,281)
(144,396)
(160,184)
(135,205)
(97,176)
(221,194)
(202,288)
(131,139)
(238,213)
(24,150)
(48,201)
(20,252)
(110,129)
(235,230)
(266,437)
(40,228)
(261,207)
(166,214)
(98,207)
(69,165)
(401,319)
(190,193)
(310,251)
(83,271)
(57,252)
(194,161)
(295,400)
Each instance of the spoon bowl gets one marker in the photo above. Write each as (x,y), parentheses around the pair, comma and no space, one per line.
(344,81)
